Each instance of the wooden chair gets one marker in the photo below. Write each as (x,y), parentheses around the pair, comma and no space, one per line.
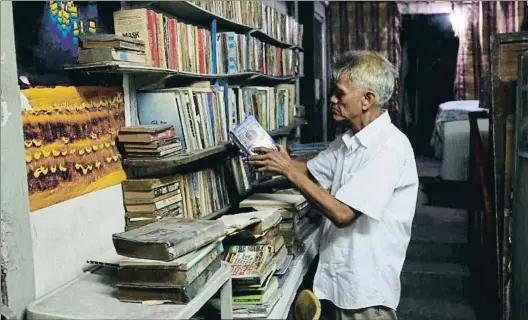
(307,306)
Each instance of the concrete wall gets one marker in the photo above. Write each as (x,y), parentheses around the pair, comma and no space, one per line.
(65,235)
(18,285)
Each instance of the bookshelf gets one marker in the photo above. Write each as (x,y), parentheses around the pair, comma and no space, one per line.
(138,79)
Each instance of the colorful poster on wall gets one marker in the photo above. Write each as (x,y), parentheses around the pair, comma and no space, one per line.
(69,137)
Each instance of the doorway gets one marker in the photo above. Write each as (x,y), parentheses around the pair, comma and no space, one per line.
(429,57)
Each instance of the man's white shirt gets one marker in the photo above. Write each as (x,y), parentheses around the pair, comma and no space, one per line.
(374,172)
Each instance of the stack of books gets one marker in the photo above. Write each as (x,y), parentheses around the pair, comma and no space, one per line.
(149,200)
(169,261)
(149,141)
(106,48)
(256,252)
(297,220)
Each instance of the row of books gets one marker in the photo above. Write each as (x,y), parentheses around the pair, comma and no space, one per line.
(240,53)
(179,46)
(260,16)
(204,115)
(194,195)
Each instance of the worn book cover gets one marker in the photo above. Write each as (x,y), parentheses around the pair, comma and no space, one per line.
(250,134)
(160,273)
(168,239)
(168,294)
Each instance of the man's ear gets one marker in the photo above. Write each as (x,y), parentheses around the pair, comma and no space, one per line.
(369,100)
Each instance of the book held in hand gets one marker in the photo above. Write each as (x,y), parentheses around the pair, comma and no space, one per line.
(250,134)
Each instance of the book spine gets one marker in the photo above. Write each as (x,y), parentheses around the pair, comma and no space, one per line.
(151,20)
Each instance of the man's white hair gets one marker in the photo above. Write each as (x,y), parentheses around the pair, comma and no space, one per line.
(367,70)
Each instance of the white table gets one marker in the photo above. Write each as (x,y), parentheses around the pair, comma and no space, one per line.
(450,138)
(93,295)
(298,270)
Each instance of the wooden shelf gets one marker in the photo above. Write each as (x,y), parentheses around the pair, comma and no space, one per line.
(218,213)
(287,130)
(181,159)
(124,68)
(193,13)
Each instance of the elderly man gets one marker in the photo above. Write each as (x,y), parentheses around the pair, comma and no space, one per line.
(368,189)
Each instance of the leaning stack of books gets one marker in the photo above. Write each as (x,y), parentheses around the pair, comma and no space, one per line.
(296,224)
(255,251)
(110,48)
(169,261)
(149,141)
(149,200)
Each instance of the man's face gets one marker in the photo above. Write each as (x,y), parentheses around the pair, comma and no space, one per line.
(347,101)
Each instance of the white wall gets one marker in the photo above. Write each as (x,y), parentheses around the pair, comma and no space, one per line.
(65,235)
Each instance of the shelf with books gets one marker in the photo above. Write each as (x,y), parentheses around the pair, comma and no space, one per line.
(194,13)
(181,159)
(299,268)
(138,70)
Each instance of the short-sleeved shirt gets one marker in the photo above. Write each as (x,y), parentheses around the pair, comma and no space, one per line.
(373,172)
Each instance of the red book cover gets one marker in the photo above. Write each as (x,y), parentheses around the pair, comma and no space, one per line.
(201,51)
(174,43)
(153,37)
(163,135)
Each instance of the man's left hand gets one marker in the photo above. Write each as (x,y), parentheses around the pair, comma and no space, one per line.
(271,160)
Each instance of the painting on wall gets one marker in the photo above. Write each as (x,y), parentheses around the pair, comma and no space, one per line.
(70,141)
(47,35)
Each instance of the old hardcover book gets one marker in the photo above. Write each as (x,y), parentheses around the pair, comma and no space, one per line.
(101,55)
(256,222)
(171,294)
(105,40)
(168,211)
(153,193)
(159,273)
(168,239)
(145,133)
(250,134)
(153,206)
(140,185)
(274,200)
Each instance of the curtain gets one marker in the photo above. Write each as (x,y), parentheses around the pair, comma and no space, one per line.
(478,22)
(370,25)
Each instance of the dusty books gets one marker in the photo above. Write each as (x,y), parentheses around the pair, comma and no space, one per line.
(149,141)
(256,222)
(167,239)
(102,48)
(148,200)
(168,293)
(250,134)
(250,265)
(106,40)
(297,223)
